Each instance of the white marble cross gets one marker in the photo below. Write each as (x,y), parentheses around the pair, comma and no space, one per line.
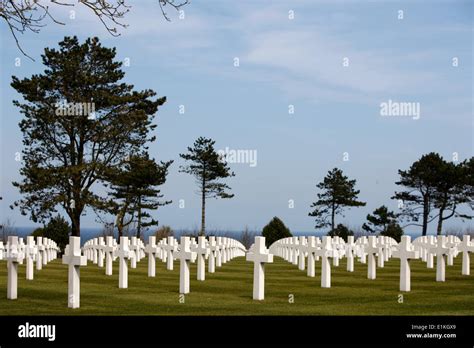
(212,255)
(30,253)
(429,257)
(224,250)
(381,251)
(350,247)
(335,251)
(109,254)
(405,252)
(151,249)
(171,249)
(164,250)
(296,245)
(123,253)
(134,252)
(301,251)
(441,250)
(45,251)
(185,255)
(362,242)
(2,250)
(14,257)
(311,247)
(95,251)
(101,255)
(219,249)
(259,255)
(371,249)
(202,251)
(325,253)
(466,247)
(74,259)
(451,243)
(39,256)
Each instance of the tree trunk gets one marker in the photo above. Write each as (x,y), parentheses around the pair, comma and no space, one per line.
(333,217)
(139,217)
(203,209)
(426,212)
(439,229)
(119,224)
(75,223)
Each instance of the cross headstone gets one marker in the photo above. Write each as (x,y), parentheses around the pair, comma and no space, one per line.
(381,251)
(39,256)
(164,250)
(95,251)
(109,254)
(301,251)
(441,250)
(259,255)
(296,245)
(185,255)
(101,255)
(45,251)
(405,252)
(466,247)
(74,259)
(202,251)
(14,257)
(171,249)
(151,249)
(335,251)
(219,249)
(325,253)
(212,254)
(429,257)
(123,253)
(30,253)
(371,250)
(350,247)
(133,252)
(451,243)
(310,249)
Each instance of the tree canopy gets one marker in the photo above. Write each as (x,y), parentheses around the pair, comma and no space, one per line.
(274,231)
(79,120)
(434,189)
(134,190)
(338,193)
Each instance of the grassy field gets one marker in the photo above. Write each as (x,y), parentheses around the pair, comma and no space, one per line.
(229,291)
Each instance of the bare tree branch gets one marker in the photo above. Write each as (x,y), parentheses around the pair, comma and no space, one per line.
(31,15)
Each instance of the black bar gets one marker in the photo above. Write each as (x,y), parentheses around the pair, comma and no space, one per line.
(346,330)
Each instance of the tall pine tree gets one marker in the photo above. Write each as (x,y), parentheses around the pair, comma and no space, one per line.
(208,168)
(338,194)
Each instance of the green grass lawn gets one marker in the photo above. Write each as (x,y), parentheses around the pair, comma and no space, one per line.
(229,291)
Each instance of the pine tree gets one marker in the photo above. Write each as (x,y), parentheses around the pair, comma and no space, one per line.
(135,190)
(208,168)
(338,194)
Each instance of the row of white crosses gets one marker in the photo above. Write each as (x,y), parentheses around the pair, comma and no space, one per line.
(373,251)
(15,252)
(218,250)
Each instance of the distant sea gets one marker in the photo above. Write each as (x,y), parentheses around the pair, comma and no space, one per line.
(93,232)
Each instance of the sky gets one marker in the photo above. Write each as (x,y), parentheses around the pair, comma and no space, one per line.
(333,63)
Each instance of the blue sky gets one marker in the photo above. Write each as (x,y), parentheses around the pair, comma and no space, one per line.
(282,61)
